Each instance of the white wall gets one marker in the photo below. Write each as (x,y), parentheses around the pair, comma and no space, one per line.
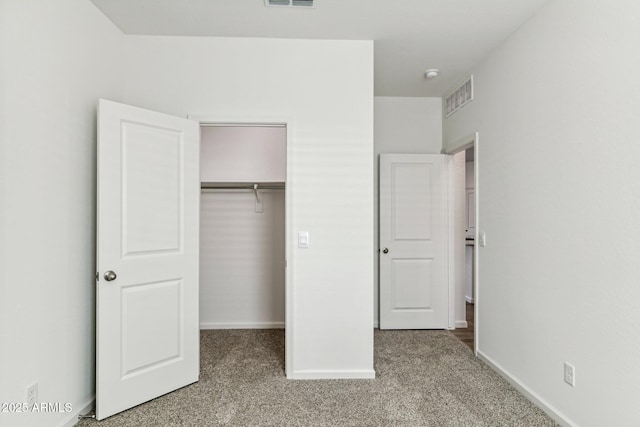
(243,154)
(557,107)
(57,59)
(403,125)
(242,259)
(325,88)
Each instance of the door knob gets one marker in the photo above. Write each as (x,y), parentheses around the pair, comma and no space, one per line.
(110,275)
(385,251)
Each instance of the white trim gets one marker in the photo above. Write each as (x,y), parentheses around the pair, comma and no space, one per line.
(85,407)
(534,397)
(448,164)
(289,224)
(461,144)
(239,120)
(451,247)
(468,299)
(338,374)
(461,324)
(241,325)
(476,253)
(376,324)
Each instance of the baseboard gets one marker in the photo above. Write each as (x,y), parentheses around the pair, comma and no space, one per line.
(461,324)
(242,325)
(537,400)
(82,409)
(376,324)
(322,374)
(469,300)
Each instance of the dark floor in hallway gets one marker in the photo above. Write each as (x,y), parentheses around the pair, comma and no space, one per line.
(466,335)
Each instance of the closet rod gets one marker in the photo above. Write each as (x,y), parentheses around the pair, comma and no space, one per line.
(227,186)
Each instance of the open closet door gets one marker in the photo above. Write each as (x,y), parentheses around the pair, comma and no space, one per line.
(147,256)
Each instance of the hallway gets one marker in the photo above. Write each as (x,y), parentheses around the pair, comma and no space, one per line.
(466,335)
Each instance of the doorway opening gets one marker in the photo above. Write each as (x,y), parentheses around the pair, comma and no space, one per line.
(463,216)
(244,217)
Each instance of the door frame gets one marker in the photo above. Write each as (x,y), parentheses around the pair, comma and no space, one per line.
(469,141)
(251,120)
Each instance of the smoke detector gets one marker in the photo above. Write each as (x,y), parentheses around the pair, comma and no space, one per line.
(431,73)
(290,3)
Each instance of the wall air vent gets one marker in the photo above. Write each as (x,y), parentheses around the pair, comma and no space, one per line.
(461,96)
(290,3)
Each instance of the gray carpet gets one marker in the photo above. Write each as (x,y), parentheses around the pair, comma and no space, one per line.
(423,378)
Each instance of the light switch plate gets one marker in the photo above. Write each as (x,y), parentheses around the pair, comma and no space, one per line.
(483,239)
(303,239)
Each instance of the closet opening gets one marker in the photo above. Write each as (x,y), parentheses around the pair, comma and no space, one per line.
(243,234)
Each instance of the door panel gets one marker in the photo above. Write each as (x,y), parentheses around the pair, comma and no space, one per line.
(152,195)
(148,218)
(407,205)
(150,340)
(413,224)
(406,272)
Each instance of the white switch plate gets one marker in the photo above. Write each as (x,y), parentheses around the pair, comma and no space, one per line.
(303,239)
(483,239)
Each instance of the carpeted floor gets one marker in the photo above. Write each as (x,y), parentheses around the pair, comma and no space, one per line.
(423,378)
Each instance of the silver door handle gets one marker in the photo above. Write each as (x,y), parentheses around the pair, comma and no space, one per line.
(110,275)
(385,251)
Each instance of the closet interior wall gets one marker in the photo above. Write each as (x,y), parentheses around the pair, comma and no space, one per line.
(242,242)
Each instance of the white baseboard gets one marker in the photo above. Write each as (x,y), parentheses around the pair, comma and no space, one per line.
(469,300)
(537,400)
(461,324)
(241,325)
(376,324)
(82,409)
(322,374)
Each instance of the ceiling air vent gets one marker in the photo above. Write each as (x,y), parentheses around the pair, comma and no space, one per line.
(460,97)
(289,3)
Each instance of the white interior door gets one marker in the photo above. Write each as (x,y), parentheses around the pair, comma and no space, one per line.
(413,241)
(470,204)
(147,256)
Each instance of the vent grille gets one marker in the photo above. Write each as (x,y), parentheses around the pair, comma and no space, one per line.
(460,97)
(289,3)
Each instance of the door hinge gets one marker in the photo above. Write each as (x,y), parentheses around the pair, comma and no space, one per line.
(97,276)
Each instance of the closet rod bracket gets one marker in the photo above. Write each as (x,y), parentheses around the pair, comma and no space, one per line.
(258,201)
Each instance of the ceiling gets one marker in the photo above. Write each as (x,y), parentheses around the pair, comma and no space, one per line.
(410,35)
